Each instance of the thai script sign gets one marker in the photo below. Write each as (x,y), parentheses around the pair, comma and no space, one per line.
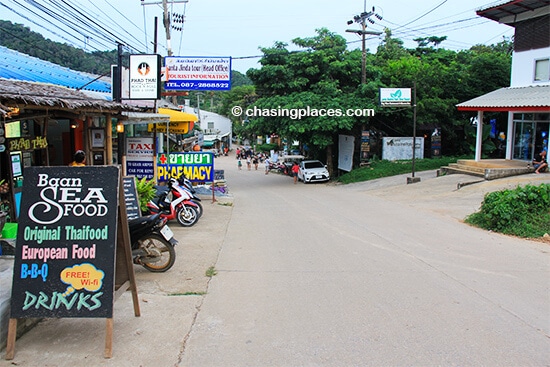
(67,233)
(197,73)
(196,166)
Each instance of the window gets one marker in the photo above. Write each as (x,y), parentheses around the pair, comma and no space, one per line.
(542,70)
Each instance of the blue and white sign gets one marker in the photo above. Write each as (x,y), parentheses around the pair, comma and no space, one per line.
(197,73)
(395,96)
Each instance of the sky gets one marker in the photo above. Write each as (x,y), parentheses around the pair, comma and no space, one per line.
(239,28)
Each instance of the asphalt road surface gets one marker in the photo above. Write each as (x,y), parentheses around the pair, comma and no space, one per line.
(369,275)
(372,274)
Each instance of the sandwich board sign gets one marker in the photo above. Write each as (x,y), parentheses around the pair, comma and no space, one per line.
(68,246)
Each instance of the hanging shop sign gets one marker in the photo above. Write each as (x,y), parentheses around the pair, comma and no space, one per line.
(197,73)
(145,74)
(196,166)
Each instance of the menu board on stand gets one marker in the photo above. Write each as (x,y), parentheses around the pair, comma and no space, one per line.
(72,223)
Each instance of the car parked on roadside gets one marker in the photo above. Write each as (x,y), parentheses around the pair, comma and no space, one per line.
(312,171)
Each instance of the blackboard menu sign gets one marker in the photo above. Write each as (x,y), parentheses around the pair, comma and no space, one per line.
(66,241)
(131,198)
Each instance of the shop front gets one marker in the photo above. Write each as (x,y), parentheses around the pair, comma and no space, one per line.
(528,125)
(43,125)
(531,132)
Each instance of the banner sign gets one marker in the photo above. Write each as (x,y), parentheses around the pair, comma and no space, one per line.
(197,73)
(145,75)
(400,148)
(174,127)
(67,234)
(346,145)
(395,97)
(196,166)
(140,155)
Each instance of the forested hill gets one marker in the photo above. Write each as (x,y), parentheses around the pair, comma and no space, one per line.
(20,38)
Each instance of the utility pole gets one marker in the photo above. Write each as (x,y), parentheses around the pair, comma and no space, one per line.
(362,19)
(166,18)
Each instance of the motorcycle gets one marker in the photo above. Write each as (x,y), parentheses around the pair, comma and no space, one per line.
(280,167)
(175,203)
(186,184)
(152,243)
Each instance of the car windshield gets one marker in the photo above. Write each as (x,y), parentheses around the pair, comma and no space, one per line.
(316,164)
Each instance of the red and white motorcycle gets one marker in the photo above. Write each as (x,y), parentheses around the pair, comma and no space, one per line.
(175,203)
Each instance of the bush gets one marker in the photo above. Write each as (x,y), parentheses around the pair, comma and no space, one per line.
(523,212)
(146,192)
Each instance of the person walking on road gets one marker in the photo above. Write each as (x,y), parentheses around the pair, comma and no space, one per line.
(239,163)
(295,169)
(266,162)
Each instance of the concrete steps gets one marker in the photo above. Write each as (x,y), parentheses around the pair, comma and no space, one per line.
(488,170)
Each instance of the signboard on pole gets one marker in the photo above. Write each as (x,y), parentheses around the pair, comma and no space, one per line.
(145,72)
(395,97)
(197,73)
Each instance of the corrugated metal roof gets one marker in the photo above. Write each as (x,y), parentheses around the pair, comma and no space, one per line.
(19,66)
(503,9)
(529,98)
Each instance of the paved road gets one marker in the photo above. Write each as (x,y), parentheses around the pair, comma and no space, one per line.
(366,275)
(372,274)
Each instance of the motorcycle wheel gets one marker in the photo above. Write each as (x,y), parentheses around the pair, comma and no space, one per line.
(157,247)
(198,208)
(187,216)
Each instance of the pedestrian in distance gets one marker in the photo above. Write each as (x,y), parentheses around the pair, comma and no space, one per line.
(295,169)
(79,159)
(239,163)
(255,162)
(248,163)
(266,162)
(540,163)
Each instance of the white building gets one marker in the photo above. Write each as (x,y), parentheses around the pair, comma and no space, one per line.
(527,100)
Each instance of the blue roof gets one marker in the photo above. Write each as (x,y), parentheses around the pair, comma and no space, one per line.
(19,66)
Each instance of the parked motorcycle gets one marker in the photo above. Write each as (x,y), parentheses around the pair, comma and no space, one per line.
(152,243)
(186,184)
(175,203)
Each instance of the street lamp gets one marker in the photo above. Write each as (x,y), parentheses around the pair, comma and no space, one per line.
(362,19)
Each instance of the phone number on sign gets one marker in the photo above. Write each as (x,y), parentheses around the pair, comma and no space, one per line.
(197,85)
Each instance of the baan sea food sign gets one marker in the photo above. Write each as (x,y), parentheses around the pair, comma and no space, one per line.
(65,254)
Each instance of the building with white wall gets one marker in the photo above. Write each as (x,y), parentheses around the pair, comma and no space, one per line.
(527,100)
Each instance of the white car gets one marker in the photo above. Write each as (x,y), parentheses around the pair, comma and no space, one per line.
(312,171)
